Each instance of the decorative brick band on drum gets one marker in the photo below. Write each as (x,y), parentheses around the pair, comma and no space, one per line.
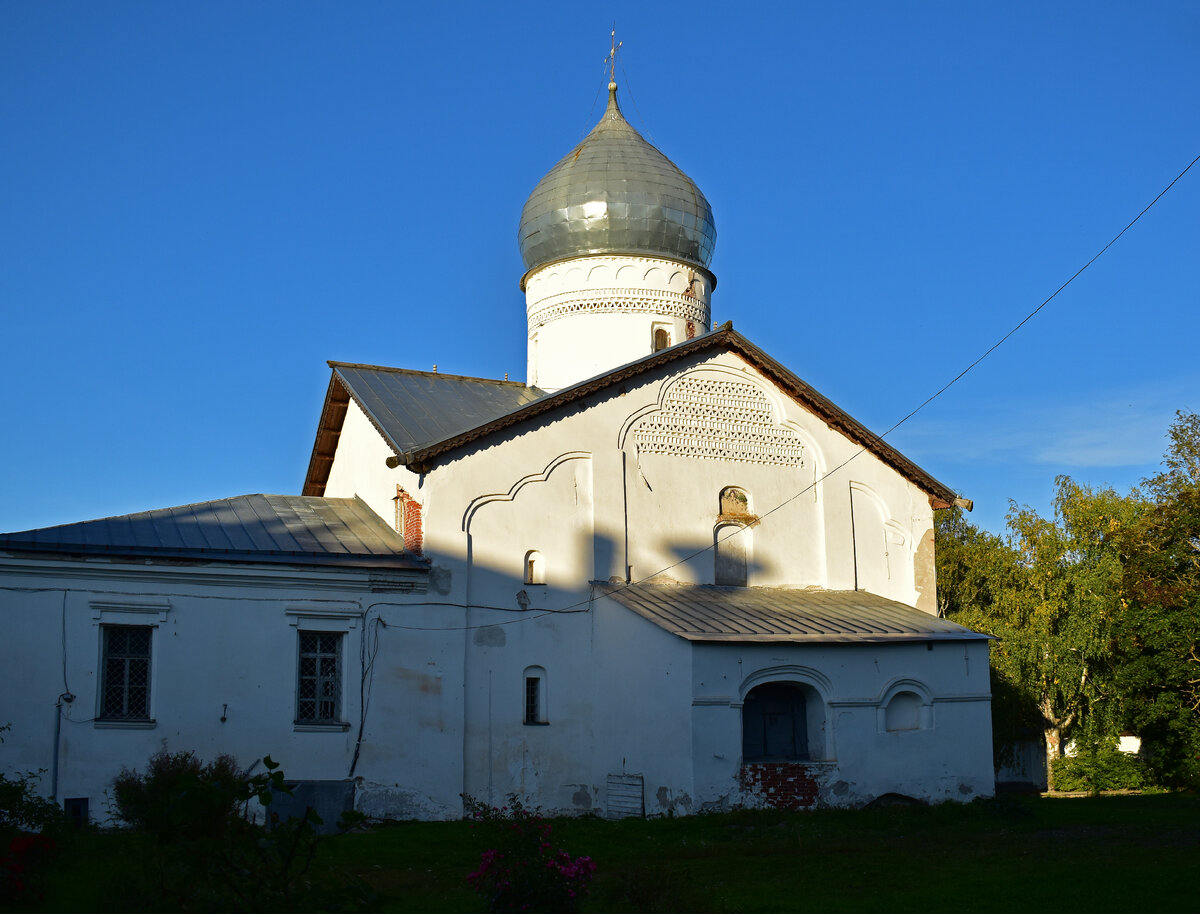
(780,785)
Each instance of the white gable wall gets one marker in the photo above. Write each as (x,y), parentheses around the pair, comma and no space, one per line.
(360,467)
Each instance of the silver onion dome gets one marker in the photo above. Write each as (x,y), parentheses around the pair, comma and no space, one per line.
(615,193)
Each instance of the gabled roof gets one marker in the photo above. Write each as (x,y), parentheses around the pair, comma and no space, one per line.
(410,409)
(288,529)
(362,385)
(775,614)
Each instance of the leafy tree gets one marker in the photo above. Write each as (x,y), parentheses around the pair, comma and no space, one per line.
(1096,612)
(1048,594)
(1157,636)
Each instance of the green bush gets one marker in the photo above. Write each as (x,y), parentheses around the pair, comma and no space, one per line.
(208,856)
(1100,768)
(180,796)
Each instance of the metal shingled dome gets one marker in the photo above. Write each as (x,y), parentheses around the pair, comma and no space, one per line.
(615,193)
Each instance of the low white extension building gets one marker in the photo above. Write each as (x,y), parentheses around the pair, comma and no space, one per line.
(664,575)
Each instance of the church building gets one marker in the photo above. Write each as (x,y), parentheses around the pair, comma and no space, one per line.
(663,575)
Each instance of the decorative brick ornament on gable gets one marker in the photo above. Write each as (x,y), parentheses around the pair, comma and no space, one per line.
(408,521)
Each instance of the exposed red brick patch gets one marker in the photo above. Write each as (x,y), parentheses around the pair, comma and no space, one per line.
(780,785)
(408,522)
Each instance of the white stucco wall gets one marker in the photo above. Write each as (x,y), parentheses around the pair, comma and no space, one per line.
(620,485)
(224,643)
(360,468)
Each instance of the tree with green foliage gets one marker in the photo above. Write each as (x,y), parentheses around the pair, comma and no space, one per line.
(1048,595)
(1157,636)
(1096,612)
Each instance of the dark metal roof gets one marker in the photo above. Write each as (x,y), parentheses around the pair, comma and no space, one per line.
(411,409)
(773,614)
(288,529)
(616,193)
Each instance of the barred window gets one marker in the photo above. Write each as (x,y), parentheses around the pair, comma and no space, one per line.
(319,690)
(125,688)
(535,695)
(533,699)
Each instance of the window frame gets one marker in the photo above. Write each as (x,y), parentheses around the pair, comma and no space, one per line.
(133,613)
(319,653)
(110,655)
(330,621)
(534,715)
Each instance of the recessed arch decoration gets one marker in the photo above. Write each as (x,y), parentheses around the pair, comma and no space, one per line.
(905,704)
(480,501)
(731,551)
(883,547)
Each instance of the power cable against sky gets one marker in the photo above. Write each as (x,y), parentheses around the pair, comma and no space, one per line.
(581,605)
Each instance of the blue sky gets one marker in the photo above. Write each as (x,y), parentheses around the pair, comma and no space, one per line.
(202,202)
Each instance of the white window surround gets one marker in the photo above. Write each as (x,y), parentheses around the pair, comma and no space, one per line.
(324,618)
(129,612)
(138,612)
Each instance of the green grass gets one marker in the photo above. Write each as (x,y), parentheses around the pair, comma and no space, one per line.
(1110,853)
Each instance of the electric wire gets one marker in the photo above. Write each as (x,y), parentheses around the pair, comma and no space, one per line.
(738,530)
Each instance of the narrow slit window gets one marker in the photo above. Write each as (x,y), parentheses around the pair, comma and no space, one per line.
(662,339)
(535,695)
(533,699)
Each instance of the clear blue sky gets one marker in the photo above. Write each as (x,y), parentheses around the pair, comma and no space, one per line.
(202,202)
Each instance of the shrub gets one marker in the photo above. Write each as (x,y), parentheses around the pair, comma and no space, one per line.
(209,857)
(524,872)
(180,796)
(1098,768)
(28,826)
(22,809)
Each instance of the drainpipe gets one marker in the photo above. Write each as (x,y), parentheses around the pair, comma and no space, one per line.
(67,698)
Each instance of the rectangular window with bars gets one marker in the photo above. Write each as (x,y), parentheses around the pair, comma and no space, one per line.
(125,683)
(533,700)
(319,688)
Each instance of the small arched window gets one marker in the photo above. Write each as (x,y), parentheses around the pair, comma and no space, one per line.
(535,567)
(775,723)
(662,339)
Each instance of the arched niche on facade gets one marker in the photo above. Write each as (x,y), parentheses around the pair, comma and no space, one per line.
(905,705)
(731,548)
(779,701)
(731,537)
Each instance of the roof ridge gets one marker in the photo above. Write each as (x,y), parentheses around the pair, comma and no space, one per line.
(183,507)
(333,363)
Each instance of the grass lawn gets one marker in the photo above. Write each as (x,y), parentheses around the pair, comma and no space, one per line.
(1112,853)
